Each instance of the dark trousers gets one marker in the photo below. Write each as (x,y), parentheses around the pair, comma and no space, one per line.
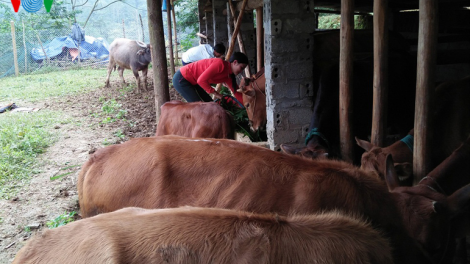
(192,93)
(185,63)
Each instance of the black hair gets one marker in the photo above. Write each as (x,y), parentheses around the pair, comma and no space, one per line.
(220,48)
(240,57)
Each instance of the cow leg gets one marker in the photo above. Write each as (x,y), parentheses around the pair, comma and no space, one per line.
(121,74)
(137,78)
(110,69)
(144,75)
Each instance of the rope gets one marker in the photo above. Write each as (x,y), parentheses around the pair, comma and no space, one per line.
(408,140)
(315,132)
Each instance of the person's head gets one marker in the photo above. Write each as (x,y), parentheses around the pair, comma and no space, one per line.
(238,61)
(219,50)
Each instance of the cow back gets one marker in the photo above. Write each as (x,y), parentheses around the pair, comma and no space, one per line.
(208,235)
(170,171)
(197,119)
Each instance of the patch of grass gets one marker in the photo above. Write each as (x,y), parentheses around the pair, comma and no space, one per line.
(111,108)
(38,87)
(61,220)
(23,136)
(119,134)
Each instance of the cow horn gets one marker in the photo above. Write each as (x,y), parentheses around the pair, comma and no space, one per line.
(140,43)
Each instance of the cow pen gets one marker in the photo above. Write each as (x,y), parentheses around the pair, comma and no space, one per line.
(437,33)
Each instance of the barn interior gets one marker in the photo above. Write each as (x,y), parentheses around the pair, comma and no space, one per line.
(435,33)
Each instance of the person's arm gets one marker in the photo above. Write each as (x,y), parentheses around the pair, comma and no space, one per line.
(232,85)
(217,67)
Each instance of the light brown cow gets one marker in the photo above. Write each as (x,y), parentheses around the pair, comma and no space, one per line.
(197,119)
(171,171)
(254,99)
(207,235)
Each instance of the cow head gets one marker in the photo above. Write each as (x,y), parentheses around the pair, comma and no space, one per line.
(254,99)
(426,213)
(316,146)
(373,160)
(145,53)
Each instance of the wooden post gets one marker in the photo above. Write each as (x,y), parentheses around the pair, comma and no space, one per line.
(142,26)
(13,40)
(159,64)
(25,50)
(123,29)
(239,37)
(379,110)
(345,76)
(170,38)
(259,39)
(427,44)
(174,27)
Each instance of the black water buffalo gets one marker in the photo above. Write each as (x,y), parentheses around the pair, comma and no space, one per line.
(129,54)
(324,138)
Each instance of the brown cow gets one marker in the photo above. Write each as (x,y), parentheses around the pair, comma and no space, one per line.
(208,235)
(449,121)
(401,151)
(197,119)
(254,99)
(171,171)
(445,178)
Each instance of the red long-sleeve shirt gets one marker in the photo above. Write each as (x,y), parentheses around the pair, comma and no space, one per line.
(210,71)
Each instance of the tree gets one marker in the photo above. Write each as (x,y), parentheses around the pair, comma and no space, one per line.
(188,21)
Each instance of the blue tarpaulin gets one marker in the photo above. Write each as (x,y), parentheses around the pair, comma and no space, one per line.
(96,48)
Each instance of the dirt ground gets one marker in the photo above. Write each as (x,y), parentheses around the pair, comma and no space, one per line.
(42,199)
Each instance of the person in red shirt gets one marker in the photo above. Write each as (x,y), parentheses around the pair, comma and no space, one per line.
(194,80)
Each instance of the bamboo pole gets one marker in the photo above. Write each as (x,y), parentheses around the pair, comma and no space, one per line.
(239,37)
(142,27)
(345,76)
(25,50)
(123,29)
(427,45)
(235,31)
(380,83)
(174,28)
(170,38)
(259,39)
(13,40)
(44,51)
(232,41)
(157,41)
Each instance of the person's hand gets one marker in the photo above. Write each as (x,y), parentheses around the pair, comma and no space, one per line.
(217,95)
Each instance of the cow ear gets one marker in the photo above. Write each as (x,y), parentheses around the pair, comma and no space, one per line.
(246,91)
(366,145)
(391,177)
(289,149)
